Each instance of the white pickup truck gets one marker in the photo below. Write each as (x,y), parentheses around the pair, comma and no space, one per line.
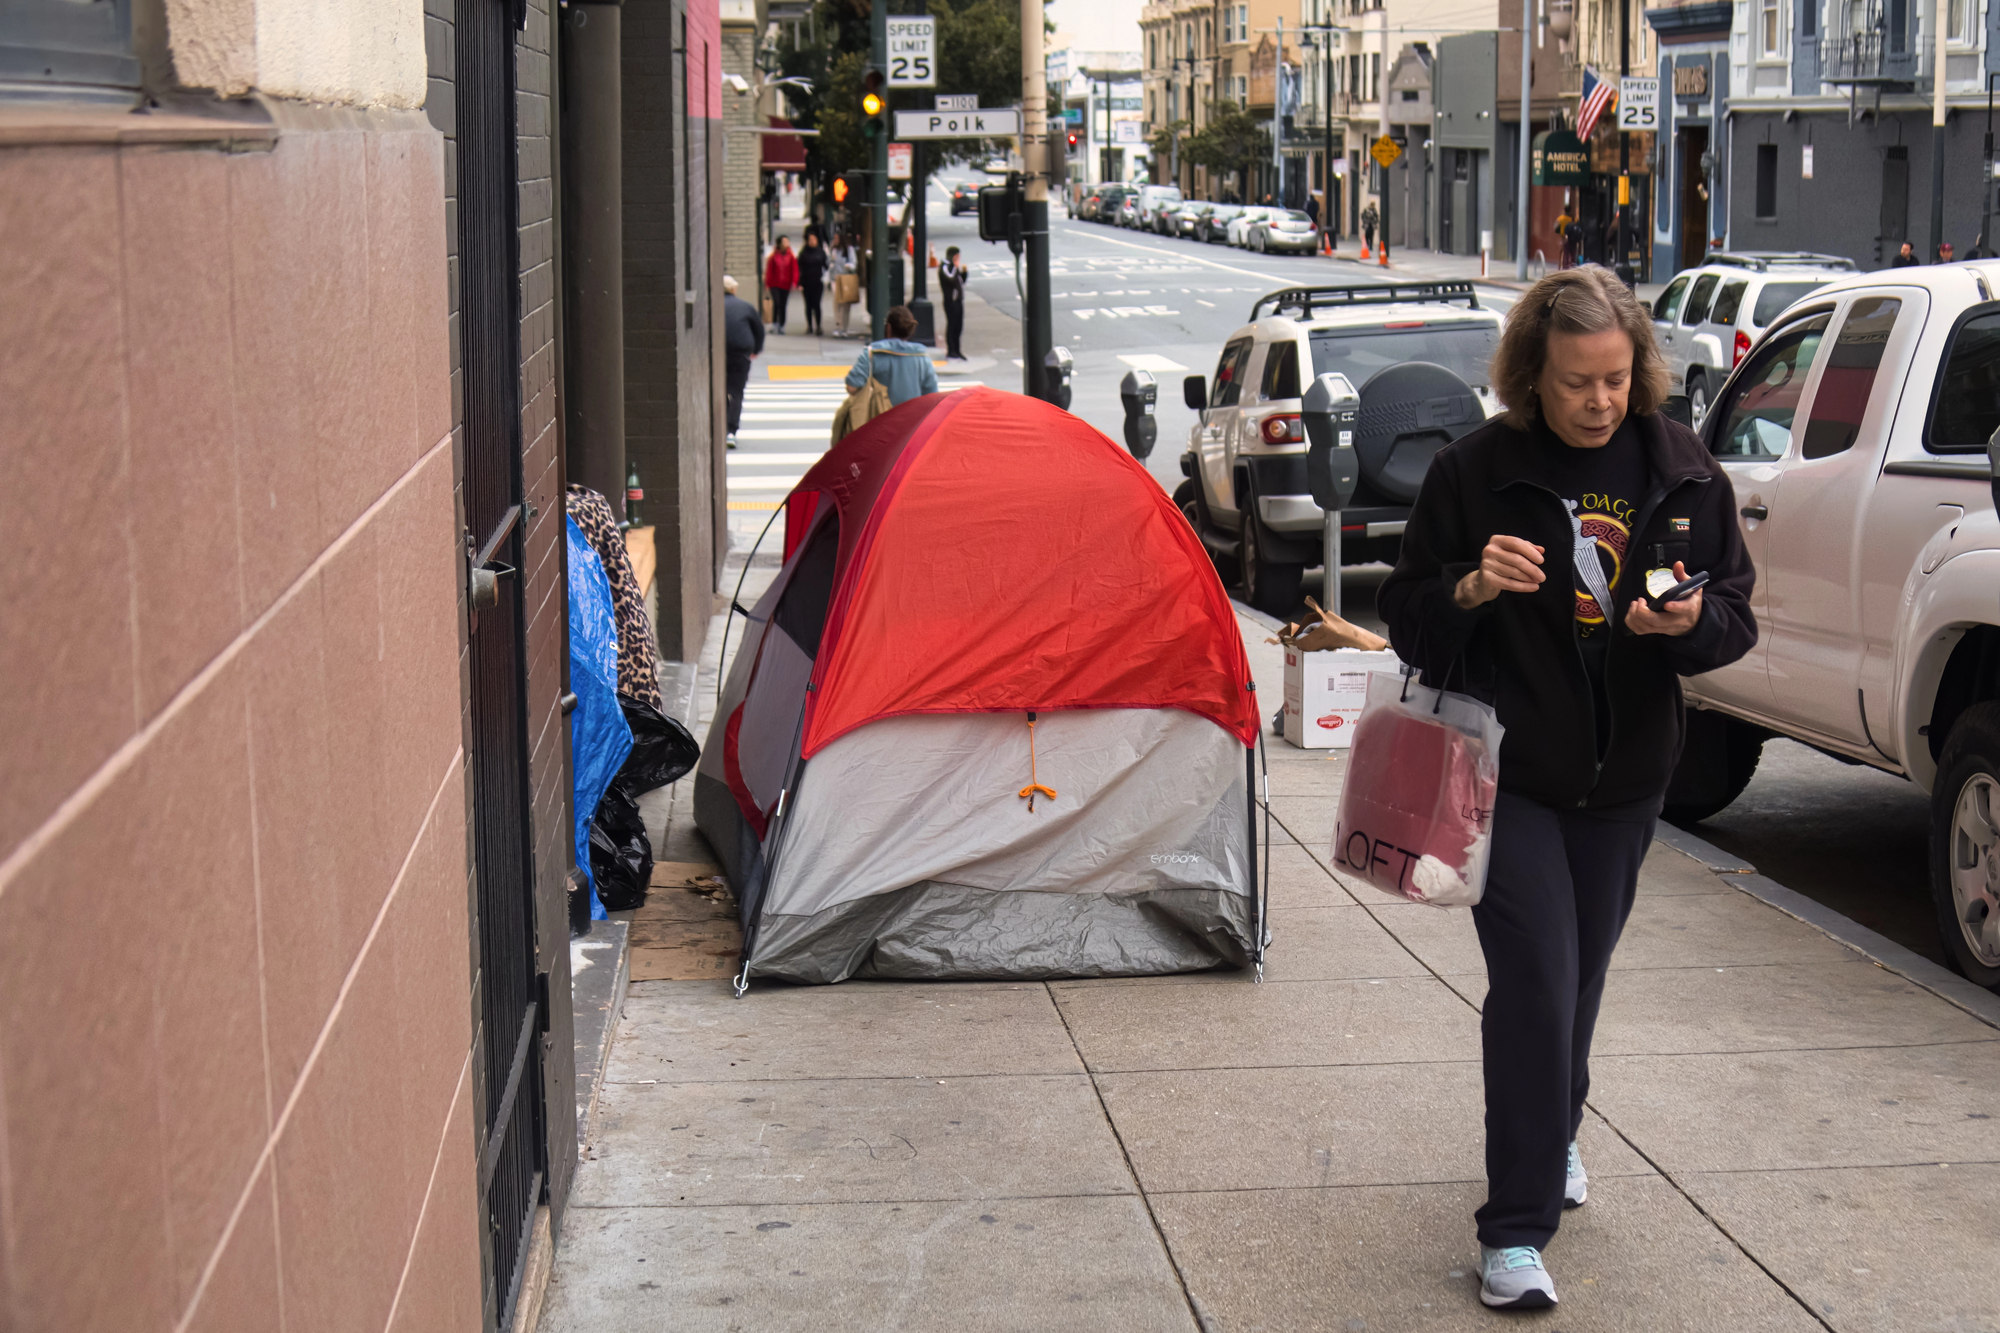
(1856,434)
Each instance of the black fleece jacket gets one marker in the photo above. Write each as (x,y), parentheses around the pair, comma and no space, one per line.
(1519,652)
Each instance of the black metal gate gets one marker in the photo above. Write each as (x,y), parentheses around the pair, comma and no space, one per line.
(512,1168)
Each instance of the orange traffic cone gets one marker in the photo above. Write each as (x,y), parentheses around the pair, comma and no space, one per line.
(1364,252)
(1382,255)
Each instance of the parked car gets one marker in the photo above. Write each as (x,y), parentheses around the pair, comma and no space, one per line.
(1128,211)
(1239,226)
(1215,226)
(1858,435)
(1708,317)
(1187,219)
(964,199)
(1155,203)
(1246,492)
(1286,229)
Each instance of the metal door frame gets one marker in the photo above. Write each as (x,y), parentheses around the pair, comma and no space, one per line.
(513,1000)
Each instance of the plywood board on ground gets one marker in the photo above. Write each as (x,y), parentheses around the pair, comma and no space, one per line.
(681,933)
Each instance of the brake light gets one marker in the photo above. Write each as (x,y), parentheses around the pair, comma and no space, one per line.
(1405,324)
(1283,429)
(1742,347)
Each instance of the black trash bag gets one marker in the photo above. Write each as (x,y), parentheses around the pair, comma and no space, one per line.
(663,751)
(621,857)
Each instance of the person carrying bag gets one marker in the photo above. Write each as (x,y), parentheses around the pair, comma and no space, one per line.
(1533,569)
(890,373)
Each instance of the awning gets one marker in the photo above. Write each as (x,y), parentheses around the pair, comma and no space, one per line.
(783,152)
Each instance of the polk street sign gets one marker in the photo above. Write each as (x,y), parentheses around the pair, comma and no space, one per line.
(912,52)
(958,124)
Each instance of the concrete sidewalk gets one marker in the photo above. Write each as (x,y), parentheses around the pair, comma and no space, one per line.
(1782,1135)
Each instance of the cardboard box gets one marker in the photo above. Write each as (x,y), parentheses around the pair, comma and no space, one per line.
(1324,692)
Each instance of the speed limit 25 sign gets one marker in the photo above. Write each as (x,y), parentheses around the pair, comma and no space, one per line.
(1638,104)
(912,52)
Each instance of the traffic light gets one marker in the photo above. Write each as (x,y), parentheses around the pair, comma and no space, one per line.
(874,106)
(840,189)
(1074,139)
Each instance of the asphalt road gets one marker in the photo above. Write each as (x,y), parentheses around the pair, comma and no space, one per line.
(1852,838)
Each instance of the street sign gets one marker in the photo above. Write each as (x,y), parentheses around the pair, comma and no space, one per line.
(958,124)
(912,52)
(1385,151)
(1638,104)
(899,161)
(958,101)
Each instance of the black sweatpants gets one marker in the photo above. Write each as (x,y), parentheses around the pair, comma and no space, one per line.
(1559,886)
(954,326)
(737,379)
(809,294)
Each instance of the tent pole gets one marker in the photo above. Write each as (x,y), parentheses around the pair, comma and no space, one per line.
(736,604)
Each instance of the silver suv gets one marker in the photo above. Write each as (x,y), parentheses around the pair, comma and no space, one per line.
(1417,351)
(1709,317)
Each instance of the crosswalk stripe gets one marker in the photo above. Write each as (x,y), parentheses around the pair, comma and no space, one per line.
(765,483)
(771,460)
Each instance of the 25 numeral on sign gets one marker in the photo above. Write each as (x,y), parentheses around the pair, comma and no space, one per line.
(910,71)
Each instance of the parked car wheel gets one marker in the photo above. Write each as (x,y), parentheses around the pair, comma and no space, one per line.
(1271,587)
(1185,502)
(1698,397)
(1965,844)
(1718,759)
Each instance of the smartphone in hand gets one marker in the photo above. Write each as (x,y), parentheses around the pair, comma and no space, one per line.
(1661,588)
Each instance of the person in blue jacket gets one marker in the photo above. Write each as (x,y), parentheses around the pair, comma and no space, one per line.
(904,367)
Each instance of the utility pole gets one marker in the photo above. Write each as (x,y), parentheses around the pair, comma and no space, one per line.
(1382,88)
(1521,205)
(1278,111)
(878,182)
(1036,323)
(1623,265)
(1327,228)
(1937,128)
(917,218)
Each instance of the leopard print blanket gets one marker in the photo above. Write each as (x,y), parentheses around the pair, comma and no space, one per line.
(638,658)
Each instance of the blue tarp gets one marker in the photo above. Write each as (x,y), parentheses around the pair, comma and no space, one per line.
(599,737)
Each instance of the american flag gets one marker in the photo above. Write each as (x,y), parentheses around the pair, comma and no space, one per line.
(1597,95)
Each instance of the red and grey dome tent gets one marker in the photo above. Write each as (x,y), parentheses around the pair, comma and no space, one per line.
(992,719)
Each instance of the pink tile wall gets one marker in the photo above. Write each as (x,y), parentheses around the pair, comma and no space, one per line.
(235,989)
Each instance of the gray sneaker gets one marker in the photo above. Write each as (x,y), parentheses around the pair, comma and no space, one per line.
(1576,1185)
(1514,1279)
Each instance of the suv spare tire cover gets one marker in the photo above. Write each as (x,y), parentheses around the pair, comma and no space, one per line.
(1408,413)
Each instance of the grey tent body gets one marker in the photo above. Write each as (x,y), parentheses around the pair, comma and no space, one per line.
(905,848)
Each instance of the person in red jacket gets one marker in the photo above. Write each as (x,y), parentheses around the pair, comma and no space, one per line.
(781,274)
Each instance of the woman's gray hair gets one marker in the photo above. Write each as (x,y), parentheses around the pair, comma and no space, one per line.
(1589,299)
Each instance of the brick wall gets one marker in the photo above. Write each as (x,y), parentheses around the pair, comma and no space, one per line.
(742,169)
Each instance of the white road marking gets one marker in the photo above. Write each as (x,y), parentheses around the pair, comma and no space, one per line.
(737,460)
(765,483)
(1149,361)
(783,434)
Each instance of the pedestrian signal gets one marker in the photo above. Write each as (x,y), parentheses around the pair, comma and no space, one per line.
(840,189)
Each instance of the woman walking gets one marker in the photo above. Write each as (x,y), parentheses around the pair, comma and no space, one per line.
(781,274)
(1523,578)
(812,277)
(840,263)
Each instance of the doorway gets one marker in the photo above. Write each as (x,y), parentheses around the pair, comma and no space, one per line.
(1693,252)
(1895,202)
(513,1151)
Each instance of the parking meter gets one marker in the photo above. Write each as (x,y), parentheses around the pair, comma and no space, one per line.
(1139,393)
(1333,469)
(1057,367)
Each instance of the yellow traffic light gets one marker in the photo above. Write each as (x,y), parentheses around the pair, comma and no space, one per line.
(871,104)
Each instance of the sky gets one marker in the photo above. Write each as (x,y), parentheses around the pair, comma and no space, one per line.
(1098,25)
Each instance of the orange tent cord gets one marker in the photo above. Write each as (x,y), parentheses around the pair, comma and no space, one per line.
(1033,786)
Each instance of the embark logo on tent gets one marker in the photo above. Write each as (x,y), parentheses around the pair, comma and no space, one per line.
(1176,859)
